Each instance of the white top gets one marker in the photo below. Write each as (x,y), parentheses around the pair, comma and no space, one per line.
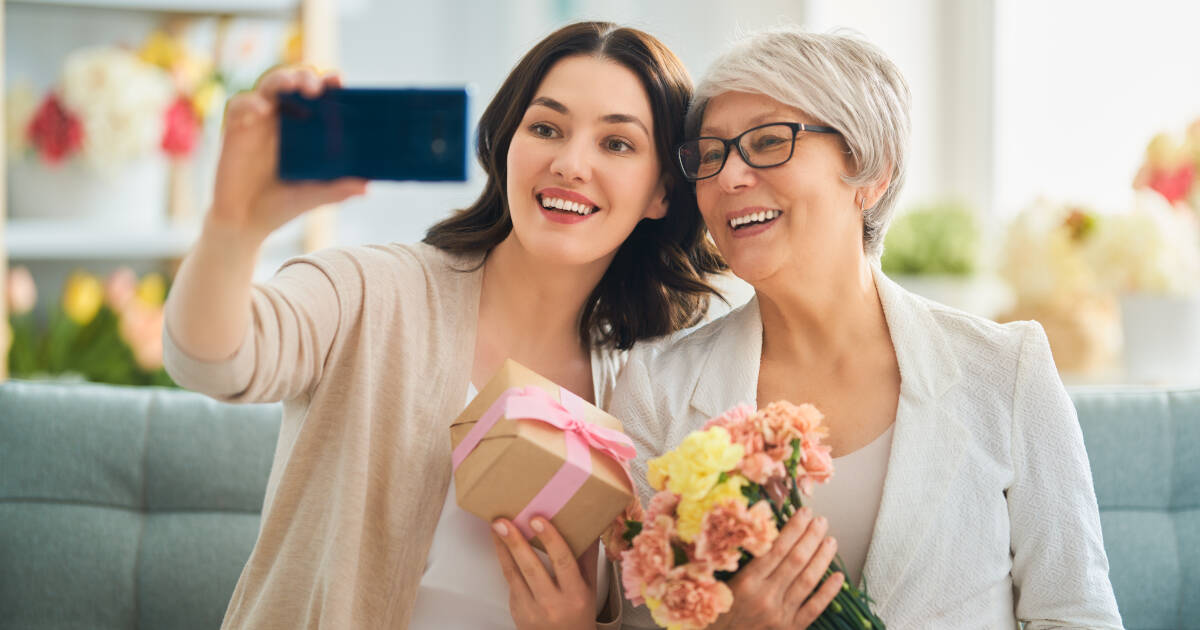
(850,500)
(988,513)
(463,585)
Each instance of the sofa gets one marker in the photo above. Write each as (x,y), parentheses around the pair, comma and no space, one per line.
(137,507)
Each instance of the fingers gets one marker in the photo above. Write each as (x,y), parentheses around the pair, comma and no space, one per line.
(517,588)
(763,566)
(802,551)
(245,109)
(313,194)
(302,79)
(566,569)
(803,584)
(819,600)
(529,565)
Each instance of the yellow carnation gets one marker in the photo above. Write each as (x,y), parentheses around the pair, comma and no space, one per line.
(82,296)
(693,468)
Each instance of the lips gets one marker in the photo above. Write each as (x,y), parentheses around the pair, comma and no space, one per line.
(752,216)
(566,201)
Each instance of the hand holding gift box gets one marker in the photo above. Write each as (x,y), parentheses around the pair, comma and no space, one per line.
(526,447)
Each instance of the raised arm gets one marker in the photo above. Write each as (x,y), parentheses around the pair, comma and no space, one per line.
(209,311)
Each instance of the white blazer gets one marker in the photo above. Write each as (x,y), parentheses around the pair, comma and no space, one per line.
(988,512)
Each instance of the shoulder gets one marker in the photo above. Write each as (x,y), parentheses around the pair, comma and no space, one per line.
(685,352)
(980,342)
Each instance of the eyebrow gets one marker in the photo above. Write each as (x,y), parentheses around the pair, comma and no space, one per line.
(546,101)
(753,122)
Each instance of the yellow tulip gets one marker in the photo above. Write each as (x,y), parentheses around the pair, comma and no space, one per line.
(82,296)
(206,97)
(161,50)
(152,289)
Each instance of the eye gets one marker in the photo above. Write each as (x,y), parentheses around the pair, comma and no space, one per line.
(712,156)
(618,145)
(766,142)
(542,130)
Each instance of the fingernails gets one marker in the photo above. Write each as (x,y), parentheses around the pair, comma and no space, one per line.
(537,525)
(500,528)
(805,512)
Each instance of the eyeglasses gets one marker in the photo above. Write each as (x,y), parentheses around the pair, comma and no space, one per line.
(763,146)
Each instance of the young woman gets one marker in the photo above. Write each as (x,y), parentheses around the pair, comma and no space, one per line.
(962,493)
(582,243)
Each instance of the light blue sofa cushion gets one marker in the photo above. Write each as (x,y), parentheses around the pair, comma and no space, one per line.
(126,507)
(1142,447)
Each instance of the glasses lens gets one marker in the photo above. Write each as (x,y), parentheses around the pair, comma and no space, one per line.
(701,158)
(768,146)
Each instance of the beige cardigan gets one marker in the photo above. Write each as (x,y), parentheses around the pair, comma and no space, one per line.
(370,349)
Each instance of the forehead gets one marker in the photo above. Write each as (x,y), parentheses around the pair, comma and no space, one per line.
(595,87)
(730,113)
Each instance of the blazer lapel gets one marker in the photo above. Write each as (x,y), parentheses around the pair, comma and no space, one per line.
(729,375)
(928,443)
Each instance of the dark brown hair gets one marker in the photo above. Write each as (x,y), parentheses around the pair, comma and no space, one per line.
(656,283)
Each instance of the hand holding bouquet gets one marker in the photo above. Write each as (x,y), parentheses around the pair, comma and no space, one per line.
(724,495)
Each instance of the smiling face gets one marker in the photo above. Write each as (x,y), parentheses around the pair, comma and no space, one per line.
(582,166)
(785,217)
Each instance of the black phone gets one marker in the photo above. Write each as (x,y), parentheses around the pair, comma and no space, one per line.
(408,134)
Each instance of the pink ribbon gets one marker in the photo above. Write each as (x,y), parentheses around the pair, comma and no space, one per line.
(532,403)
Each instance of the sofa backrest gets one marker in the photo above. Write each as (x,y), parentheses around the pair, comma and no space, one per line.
(126,507)
(137,507)
(1142,445)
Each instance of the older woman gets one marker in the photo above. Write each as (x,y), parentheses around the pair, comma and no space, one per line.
(962,494)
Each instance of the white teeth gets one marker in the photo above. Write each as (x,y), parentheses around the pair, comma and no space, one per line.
(756,217)
(568,206)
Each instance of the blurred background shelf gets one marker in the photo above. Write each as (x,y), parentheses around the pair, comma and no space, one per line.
(176,6)
(56,240)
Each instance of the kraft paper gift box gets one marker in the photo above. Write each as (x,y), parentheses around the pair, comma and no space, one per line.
(546,453)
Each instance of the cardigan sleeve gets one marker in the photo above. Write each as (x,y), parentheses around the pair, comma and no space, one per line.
(295,317)
(1059,570)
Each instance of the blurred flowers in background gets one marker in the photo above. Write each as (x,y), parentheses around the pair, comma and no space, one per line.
(937,239)
(1171,167)
(112,105)
(106,332)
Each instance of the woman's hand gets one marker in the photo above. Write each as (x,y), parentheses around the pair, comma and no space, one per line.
(537,599)
(248,194)
(780,588)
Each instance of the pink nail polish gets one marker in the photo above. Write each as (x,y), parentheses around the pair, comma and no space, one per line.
(500,529)
(537,525)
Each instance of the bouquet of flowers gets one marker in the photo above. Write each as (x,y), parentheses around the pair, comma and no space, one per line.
(723,495)
(108,332)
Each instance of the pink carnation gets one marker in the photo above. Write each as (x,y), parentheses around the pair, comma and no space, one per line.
(662,504)
(816,466)
(781,422)
(760,467)
(729,528)
(647,562)
(613,538)
(742,429)
(692,599)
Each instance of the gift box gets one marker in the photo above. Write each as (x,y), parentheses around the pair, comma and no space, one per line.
(526,447)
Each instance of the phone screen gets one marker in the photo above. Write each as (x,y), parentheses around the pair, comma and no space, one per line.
(374,133)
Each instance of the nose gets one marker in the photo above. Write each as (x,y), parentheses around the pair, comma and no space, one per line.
(736,175)
(572,161)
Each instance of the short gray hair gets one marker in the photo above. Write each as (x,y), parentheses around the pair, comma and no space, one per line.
(840,80)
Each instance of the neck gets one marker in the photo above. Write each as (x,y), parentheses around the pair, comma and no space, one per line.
(820,312)
(536,304)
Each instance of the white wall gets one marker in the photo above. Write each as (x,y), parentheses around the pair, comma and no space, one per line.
(1081,87)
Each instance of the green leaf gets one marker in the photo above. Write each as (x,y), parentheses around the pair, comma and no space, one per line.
(632,529)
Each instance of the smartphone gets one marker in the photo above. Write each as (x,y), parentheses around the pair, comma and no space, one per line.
(374,133)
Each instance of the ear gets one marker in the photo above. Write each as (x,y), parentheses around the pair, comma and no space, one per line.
(874,192)
(658,203)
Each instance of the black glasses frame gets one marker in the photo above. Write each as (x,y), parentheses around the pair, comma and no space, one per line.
(736,142)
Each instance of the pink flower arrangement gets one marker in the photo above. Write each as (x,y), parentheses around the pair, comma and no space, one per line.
(723,495)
